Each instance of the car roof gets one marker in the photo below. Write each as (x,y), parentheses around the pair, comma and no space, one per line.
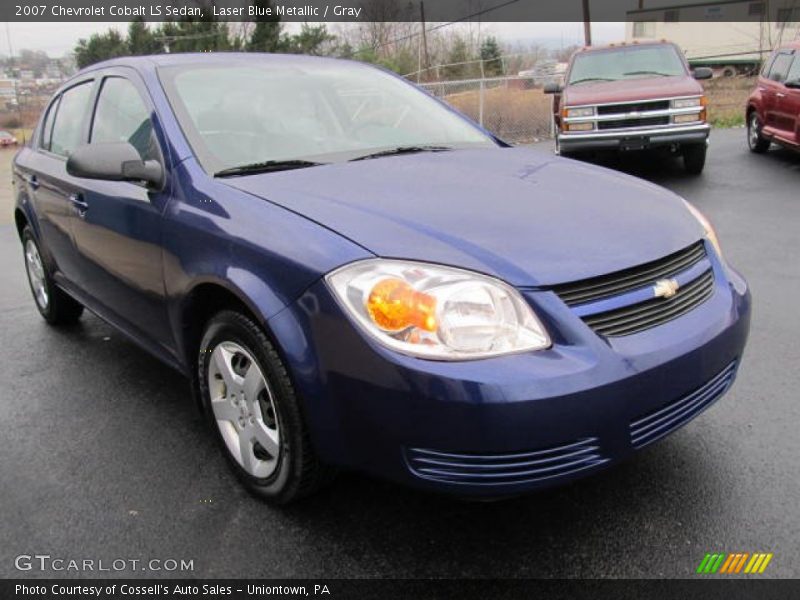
(153,61)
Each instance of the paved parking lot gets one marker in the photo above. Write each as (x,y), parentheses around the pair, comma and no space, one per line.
(104,456)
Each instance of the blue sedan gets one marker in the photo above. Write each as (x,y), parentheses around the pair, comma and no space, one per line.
(353,275)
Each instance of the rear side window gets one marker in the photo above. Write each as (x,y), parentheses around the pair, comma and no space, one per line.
(122,116)
(780,67)
(68,125)
(47,127)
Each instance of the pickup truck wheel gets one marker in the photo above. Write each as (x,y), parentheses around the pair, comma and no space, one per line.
(694,158)
(755,141)
(251,404)
(55,305)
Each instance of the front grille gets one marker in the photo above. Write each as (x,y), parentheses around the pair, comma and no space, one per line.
(605,286)
(615,109)
(505,469)
(631,123)
(655,425)
(651,313)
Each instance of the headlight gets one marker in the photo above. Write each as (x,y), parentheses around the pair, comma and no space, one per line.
(579,112)
(711,234)
(688,102)
(436,312)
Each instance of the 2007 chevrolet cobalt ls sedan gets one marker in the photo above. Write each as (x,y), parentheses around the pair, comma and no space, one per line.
(354,275)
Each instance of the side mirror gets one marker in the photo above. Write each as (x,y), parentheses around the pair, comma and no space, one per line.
(703,73)
(551,88)
(794,84)
(113,161)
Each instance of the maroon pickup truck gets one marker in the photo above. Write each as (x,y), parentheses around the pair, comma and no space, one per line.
(626,97)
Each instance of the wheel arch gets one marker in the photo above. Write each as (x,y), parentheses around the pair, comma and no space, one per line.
(20,220)
(199,305)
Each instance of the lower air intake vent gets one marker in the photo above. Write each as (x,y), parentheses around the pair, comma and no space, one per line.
(505,469)
(655,425)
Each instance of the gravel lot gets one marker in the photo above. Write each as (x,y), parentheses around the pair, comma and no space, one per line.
(104,456)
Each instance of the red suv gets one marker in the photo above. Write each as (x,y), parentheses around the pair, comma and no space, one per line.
(773,109)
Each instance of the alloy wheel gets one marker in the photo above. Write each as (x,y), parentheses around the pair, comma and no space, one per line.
(753,131)
(244,409)
(36,275)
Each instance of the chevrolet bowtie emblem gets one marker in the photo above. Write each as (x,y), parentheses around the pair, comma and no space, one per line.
(666,288)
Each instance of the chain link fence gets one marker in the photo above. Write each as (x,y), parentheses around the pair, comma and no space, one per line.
(513,108)
(517,111)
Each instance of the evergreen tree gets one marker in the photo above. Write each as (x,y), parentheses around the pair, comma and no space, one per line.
(100,46)
(141,40)
(266,35)
(491,57)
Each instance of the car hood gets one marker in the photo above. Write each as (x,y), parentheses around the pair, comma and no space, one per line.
(629,90)
(522,215)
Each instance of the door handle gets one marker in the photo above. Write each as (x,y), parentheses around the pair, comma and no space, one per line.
(780,95)
(80,205)
(32,181)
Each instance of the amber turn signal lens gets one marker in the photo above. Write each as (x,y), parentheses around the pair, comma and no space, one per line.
(394,305)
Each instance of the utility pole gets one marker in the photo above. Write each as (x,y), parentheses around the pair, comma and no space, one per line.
(424,37)
(587,24)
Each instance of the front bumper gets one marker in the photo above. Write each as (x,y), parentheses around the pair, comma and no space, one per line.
(511,424)
(633,139)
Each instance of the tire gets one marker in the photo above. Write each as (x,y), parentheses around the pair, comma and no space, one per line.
(694,158)
(54,304)
(251,404)
(755,141)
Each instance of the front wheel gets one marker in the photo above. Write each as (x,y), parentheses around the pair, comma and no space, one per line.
(694,158)
(755,140)
(55,305)
(251,404)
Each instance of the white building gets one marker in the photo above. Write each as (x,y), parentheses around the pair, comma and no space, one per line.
(729,35)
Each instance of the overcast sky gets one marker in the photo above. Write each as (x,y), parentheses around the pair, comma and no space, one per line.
(59,38)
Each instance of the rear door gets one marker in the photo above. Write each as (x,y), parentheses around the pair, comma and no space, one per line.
(118,233)
(54,191)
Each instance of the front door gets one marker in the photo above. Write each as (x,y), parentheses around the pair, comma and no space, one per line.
(118,231)
(790,103)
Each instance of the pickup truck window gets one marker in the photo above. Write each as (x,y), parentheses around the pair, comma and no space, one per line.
(626,62)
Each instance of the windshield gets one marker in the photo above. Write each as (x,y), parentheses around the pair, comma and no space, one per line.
(626,63)
(322,111)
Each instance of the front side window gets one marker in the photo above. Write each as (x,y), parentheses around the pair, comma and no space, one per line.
(794,70)
(324,111)
(122,116)
(627,62)
(68,125)
(780,67)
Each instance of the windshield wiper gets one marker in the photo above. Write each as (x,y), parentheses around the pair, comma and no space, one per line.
(266,166)
(585,79)
(403,150)
(647,73)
